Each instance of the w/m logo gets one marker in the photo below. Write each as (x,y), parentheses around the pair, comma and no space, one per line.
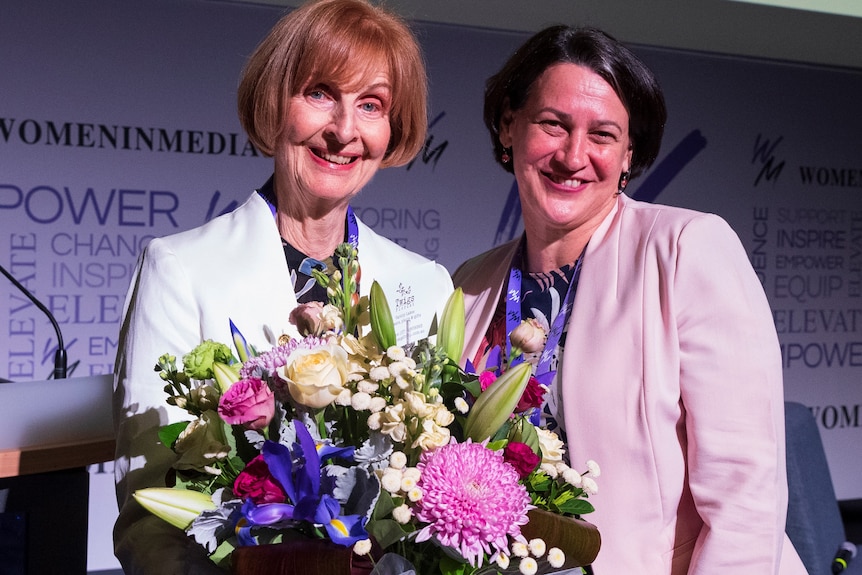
(764,155)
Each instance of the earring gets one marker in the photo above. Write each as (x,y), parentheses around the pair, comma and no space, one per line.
(505,157)
(624,181)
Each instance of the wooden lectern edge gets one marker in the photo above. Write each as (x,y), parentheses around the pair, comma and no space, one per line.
(45,458)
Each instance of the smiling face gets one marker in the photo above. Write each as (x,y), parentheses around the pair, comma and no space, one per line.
(333,141)
(570,144)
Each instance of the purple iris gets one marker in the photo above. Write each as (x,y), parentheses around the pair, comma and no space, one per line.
(299,473)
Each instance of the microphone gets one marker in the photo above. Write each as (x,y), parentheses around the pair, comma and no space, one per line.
(845,553)
(60,358)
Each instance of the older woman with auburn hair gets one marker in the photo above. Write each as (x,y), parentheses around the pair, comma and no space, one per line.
(335,91)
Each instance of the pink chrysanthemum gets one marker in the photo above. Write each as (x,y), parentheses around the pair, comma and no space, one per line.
(471,500)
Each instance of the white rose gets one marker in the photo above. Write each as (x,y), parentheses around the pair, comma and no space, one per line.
(551,445)
(315,377)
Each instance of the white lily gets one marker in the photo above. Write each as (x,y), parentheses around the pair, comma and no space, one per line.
(179,507)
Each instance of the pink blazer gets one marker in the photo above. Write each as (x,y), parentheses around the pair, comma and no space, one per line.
(671,380)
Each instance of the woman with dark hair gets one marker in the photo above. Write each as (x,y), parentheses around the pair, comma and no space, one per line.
(660,356)
(336,91)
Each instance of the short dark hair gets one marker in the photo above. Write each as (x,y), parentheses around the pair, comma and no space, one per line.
(333,40)
(634,83)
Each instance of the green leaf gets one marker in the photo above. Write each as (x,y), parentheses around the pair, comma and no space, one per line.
(576,507)
(169,434)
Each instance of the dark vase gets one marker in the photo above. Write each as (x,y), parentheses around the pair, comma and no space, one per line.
(299,557)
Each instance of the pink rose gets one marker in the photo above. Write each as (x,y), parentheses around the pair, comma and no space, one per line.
(486,378)
(532,396)
(255,482)
(521,457)
(248,402)
(307,318)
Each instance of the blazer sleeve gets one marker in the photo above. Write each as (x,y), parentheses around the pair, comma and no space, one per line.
(732,393)
(161,316)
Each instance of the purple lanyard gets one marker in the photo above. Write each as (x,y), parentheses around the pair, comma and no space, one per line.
(543,371)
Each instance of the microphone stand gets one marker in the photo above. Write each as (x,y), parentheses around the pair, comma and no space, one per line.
(60,358)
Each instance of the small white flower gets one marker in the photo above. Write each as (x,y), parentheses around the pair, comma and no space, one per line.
(502,561)
(590,486)
(556,557)
(343,397)
(414,494)
(550,470)
(395,353)
(379,373)
(519,549)
(391,480)
(360,401)
(368,387)
(377,404)
(593,468)
(528,566)
(402,514)
(397,460)
(537,547)
(407,483)
(573,478)
(374,421)
(462,407)
(413,473)
(362,547)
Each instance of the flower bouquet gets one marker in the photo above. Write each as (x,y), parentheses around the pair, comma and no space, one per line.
(395,456)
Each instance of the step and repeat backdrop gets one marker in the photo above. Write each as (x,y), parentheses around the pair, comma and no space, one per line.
(118,124)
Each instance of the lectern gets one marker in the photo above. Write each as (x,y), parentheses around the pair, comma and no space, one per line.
(49,432)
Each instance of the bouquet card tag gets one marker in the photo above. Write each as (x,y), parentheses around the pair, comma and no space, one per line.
(406,290)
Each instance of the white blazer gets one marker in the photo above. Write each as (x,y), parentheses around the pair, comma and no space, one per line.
(186,289)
